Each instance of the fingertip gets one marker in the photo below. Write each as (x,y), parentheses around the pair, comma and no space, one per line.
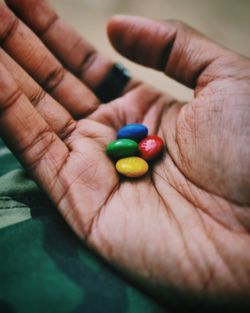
(134,36)
(118,18)
(119,23)
(122,30)
(115,28)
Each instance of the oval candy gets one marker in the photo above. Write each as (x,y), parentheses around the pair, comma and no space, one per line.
(132,167)
(150,147)
(122,148)
(133,131)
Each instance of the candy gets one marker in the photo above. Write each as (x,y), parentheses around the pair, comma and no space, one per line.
(122,148)
(133,131)
(132,167)
(126,148)
(150,147)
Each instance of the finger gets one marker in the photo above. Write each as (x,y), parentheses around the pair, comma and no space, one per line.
(80,57)
(179,51)
(52,112)
(27,50)
(28,135)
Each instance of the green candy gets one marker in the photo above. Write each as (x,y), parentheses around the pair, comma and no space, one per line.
(122,148)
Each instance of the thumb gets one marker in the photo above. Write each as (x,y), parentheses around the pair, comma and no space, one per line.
(172,47)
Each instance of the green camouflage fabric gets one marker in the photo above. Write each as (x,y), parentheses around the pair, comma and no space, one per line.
(44,267)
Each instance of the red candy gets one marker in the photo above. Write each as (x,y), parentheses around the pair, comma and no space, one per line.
(150,147)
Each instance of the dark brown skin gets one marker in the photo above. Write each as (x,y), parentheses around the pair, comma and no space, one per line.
(185,227)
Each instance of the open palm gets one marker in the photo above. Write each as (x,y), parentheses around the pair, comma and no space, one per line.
(185,226)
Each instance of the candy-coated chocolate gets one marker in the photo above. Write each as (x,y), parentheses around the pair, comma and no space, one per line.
(150,147)
(132,167)
(122,148)
(133,131)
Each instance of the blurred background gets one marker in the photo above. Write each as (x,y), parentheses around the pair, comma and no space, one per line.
(226,21)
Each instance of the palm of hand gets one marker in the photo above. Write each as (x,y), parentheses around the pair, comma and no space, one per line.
(178,224)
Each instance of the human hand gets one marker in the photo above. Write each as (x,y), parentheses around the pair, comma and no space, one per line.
(183,227)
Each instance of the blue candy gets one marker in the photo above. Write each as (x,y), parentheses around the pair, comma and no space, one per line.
(133,131)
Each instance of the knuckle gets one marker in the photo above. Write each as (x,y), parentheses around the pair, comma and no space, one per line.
(87,61)
(49,25)
(37,97)
(54,78)
(37,149)
(8,24)
(182,30)
(11,100)
(68,129)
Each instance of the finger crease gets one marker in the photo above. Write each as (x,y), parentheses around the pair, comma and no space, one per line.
(11,100)
(54,79)
(36,98)
(87,62)
(45,139)
(9,31)
(166,52)
(68,129)
(46,29)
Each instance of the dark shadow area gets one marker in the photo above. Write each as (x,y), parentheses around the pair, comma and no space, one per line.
(5,307)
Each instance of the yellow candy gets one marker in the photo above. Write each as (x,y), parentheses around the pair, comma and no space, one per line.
(132,167)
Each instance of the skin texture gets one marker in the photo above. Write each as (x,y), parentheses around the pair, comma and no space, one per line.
(184,229)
